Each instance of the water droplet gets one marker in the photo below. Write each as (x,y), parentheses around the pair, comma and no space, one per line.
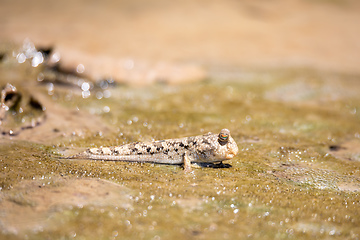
(99,95)
(55,58)
(80,68)
(106,109)
(50,88)
(107,94)
(85,86)
(85,94)
(38,58)
(21,58)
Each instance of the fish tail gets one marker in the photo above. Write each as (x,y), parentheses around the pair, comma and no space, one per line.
(76,156)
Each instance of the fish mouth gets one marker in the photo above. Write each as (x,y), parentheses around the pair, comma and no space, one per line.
(229,156)
(232,152)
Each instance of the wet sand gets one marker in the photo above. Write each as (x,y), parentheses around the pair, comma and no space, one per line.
(282,76)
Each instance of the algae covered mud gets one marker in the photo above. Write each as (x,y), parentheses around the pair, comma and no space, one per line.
(297,173)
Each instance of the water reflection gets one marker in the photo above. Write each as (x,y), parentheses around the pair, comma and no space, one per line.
(29,52)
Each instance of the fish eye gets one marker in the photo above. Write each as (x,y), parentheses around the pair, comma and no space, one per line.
(224,136)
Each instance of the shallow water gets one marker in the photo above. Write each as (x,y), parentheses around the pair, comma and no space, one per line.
(297,174)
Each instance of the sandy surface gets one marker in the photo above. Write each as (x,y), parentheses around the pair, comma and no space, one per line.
(296,175)
(156,40)
(40,201)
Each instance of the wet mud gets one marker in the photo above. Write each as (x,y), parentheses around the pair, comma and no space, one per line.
(297,173)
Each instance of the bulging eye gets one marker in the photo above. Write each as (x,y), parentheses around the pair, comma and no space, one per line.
(224,136)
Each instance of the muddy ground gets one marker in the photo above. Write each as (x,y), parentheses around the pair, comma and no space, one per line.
(283,76)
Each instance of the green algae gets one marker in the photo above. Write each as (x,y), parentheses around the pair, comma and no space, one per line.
(283,183)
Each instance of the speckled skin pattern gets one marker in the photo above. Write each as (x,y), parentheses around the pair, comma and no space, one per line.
(207,148)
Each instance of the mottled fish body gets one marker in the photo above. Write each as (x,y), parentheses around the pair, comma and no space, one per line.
(207,148)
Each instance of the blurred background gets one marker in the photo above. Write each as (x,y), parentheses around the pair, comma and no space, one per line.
(126,39)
